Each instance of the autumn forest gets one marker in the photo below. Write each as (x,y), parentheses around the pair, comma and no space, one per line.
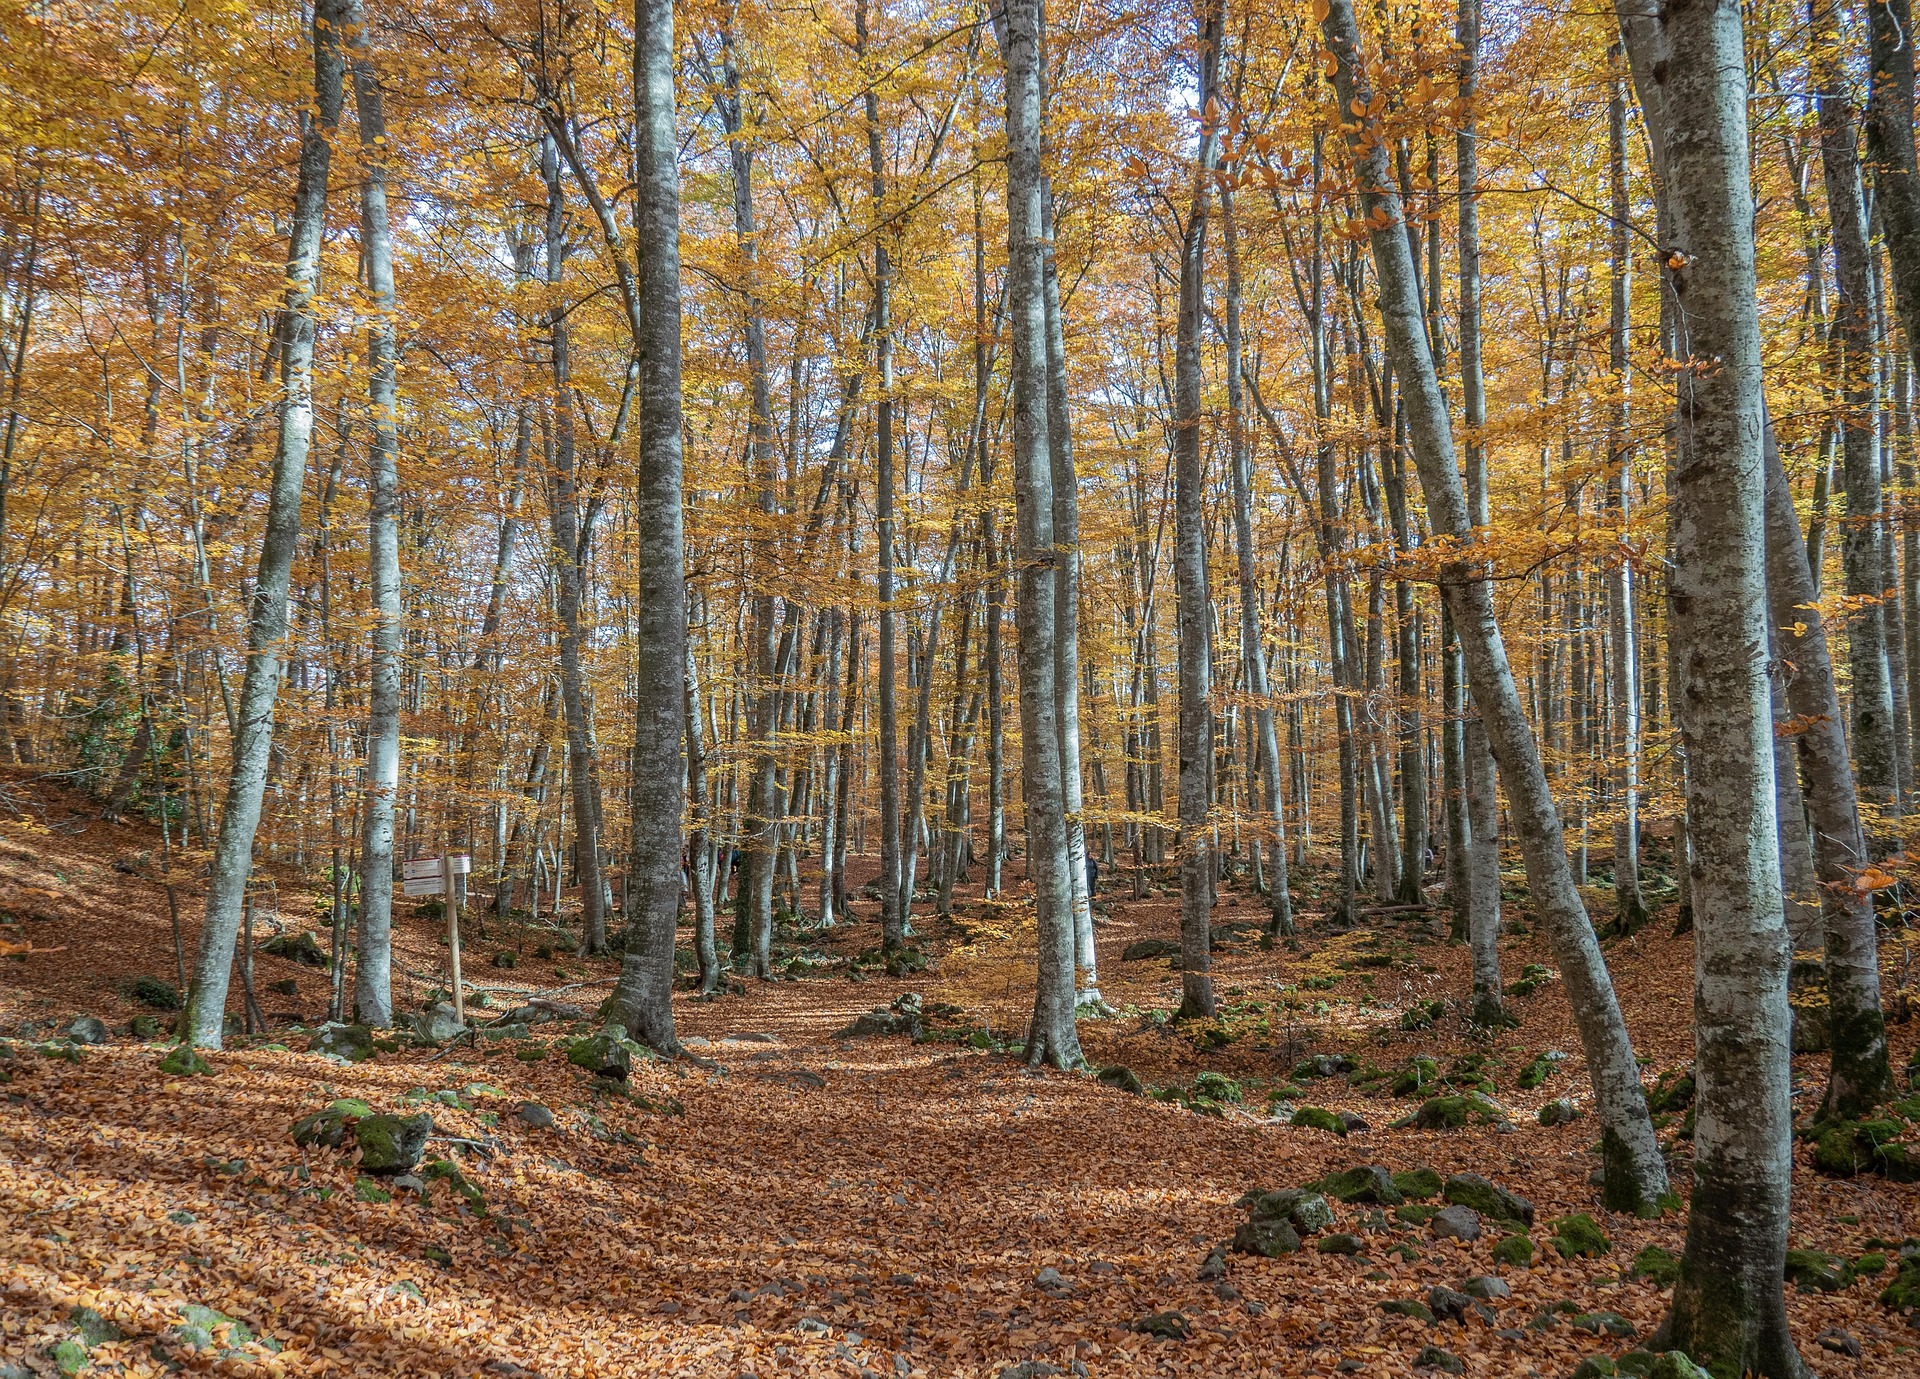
(888,687)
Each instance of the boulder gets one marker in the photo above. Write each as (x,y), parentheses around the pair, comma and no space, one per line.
(608,1054)
(300,948)
(327,1128)
(151,991)
(1124,1079)
(1145,948)
(87,1029)
(1578,1236)
(185,1061)
(533,1115)
(1433,1357)
(1447,1304)
(391,1144)
(1487,1198)
(438,1024)
(1559,1112)
(1457,1223)
(1486,1288)
(1812,1271)
(1366,1184)
(1270,1239)
(1340,1243)
(350,1043)
(1307,1212)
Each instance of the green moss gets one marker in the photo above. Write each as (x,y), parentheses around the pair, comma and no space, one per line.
(391,1144)
(1420,1073)
(1269,1239)
(1411,1215)
(1904,1292)
(1370,1184)
(366,1190)
(1812,1271)
(1674,1092)
(1456,1112)
(1407,1307)
(1578,1237)
(1340,1244)
(1318,1118)
(69,1357)
(185,1061)
(1418,1183)
(1659,1267)
(1873,1262)
(1487,1198)
(1124,1079)
(1217,1087)
(1514,1251)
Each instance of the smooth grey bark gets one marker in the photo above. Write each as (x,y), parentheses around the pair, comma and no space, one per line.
(766,802)
(1052,1038)
(267,609)
(1623,623)
(1859,1076)
(1266,745)
(1799,888)
(1890,149)
(1066,632)
(699,840)
(1190,547)
(892,922)
(1634,1172)
(642,1001)
(563,526)
(373,968)
(1728,1309)
(1483,800)
(1862,559)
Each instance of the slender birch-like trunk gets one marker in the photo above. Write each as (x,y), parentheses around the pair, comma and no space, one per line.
(267,609)
(373,968)
(1634,1172)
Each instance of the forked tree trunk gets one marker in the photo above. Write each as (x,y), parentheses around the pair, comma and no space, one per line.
(267,609)
(1634,1172)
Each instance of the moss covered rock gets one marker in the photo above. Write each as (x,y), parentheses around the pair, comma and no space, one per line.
(1903,1294)
(327,1128)
(1578,1237)
(1217,1087)
(1270,1239)
(1306,1211)
(353,1043)
(1420,1073)
(608,1054)
(1813,1271)
(1514,1251)
(1488,1198)
(391,1144)
(185,1061)
(1456,1112)
(1659,1267)
(1124,1079)
(1418,1184)
(1368,1183)
(1318,1118)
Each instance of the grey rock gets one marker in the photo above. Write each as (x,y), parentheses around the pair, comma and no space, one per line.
(86,1029)
(1351,1124)
(534,1116)
(350,1043)
(1839,1342)
(1457,1223)
(438,1024)
(1448,1305)
(1486,1288)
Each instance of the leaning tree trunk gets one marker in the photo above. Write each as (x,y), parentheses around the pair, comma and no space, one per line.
(1634,1172)
(373,969)
(1728,1306)
(642,1001)
(1051,1037)
(1860,1077)
(267,609)
(1190,553)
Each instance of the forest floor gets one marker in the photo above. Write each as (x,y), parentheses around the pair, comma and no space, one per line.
(799,1202)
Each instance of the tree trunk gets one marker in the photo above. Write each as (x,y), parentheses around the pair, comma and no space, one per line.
(1483,800)
(1728,1306)
(373,971)
(642,1001)
(1266,747)
(1051,1037)
(1190,548)
(1634,1172)
(267,609)
(1862,561)
(1860,1078)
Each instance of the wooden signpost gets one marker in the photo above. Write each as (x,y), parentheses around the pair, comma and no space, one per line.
(436,875)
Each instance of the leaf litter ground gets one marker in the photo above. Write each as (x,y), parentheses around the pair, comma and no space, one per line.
(802,1203)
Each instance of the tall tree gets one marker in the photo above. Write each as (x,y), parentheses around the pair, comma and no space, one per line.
(1051,1037)
(642,1001)
(267,609)
(1634,1173)
(1189,542)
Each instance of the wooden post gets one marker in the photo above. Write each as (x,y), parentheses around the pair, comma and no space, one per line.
(452,893)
